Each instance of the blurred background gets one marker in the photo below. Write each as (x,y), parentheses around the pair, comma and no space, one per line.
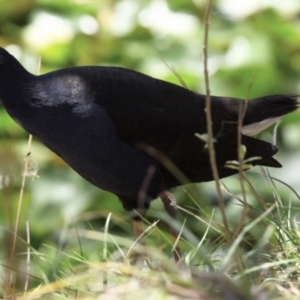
(254,50)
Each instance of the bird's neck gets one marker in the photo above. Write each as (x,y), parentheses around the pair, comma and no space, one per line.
(14,88)
(13,84)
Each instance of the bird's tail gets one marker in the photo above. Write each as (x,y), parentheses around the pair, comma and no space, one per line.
(264,152)
(262,112)
(260,152)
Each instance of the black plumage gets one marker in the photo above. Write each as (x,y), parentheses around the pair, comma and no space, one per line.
(97,118)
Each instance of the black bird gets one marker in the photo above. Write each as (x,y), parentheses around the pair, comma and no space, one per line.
(102,121)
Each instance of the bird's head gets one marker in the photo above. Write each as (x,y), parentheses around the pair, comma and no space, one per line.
(10,67)
(4,56)
(13,77)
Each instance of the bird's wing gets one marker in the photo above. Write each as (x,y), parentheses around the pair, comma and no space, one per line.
(144,109)
(166,117)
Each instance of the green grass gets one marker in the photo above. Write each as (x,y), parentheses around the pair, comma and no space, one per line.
(260,261)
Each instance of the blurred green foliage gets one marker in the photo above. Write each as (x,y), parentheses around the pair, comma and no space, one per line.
(250,54)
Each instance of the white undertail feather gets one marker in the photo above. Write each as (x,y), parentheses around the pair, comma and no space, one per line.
(255,128)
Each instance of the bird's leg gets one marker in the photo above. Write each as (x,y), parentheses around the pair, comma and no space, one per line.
(137,229)
(136,256)
(170,205)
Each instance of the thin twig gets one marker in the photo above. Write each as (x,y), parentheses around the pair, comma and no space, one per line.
(242,112)
(28,256)
(174,71)
(105,251)
(210,139)
(13,249)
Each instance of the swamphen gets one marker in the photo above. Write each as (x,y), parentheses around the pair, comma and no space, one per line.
(100,121)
